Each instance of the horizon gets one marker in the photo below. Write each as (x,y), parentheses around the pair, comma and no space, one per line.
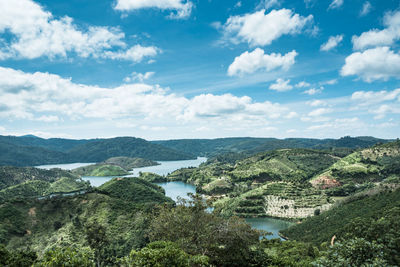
(190,69)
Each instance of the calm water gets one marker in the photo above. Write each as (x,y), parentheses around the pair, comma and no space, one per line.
(167,167)
(177,189)
(68,166)
(164,168)
(269,224)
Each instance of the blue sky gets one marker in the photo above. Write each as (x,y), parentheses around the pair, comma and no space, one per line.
(165,69)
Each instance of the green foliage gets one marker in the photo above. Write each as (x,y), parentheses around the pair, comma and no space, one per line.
(16,258)
(100,170)
(164,254)
(354,252)
(152,177)
(130,163)
(134,189)
(192,228)
(68,256)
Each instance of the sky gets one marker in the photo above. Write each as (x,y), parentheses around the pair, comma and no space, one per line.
(171,69)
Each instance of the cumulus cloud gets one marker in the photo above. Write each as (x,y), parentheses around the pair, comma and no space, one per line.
(261,28)
(332,42)
(181,8)
(336,4)
(366,8)
(48,97)
(375,37)
(250,62)
(36,33)
(379,63)
(281,85)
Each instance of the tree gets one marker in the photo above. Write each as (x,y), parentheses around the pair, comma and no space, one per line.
(96,236)
(353,252)
(67,257)
(196,231)
(164,254)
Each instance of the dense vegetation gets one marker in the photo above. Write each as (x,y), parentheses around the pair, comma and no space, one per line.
(348,203)
(116,166)
(32,151)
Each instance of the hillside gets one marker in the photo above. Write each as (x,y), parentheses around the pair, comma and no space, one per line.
(372,165)
(103,149)
(249,145)
(10,176)
(33,151)
(130,163)
(360,210)
(100,169)
(65,221)
(291,183)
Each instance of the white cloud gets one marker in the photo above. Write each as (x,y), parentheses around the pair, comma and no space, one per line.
(319,112)
(317,103)
(336,4)
(50,118)
(313,91)
(261,29)
(135,53)
(256,60)
(384,109)
(339,124)
(379,63)
(330,82)
(140,77)
(366,8)
(182,8)
(281,85)
(291,115)
(36,33)
(377,37)
(49,97)
(238,4)
(267,4)
(302,84)
(332,42)
(367,98)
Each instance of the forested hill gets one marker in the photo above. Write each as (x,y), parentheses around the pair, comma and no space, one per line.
(31,150)
(249,145)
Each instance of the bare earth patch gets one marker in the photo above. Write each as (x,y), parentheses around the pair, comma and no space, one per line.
(324,182)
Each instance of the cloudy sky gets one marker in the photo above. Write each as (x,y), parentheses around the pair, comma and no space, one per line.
(164,69)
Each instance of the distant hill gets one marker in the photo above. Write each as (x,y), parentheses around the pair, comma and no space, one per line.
(32,151)
(249,145)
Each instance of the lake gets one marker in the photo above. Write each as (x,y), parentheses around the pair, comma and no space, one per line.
(177,189)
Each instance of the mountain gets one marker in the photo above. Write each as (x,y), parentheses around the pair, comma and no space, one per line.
(102,149)
(32,151)
(249,145)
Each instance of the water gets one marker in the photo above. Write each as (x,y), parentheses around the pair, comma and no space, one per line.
(177,189)
(164,168)
(167,167)
(270,225)
(68,166)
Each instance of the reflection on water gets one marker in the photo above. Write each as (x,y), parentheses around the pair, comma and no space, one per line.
(177,189)
(269,224)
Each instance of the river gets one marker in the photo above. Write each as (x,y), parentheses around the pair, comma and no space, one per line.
(176,189)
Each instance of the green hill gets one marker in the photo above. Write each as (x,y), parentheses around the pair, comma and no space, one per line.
(100,169)
(10,176)
(130,163)
(341,220)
